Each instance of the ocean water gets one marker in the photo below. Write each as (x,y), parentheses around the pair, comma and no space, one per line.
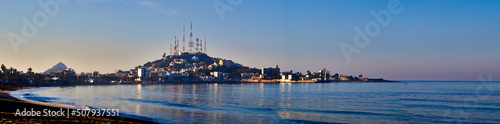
(398,102)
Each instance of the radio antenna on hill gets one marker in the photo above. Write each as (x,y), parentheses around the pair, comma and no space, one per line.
(205,45)
(183,39)
(191,43)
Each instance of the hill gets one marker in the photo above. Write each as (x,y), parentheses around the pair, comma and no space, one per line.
(186,58)
(56,68)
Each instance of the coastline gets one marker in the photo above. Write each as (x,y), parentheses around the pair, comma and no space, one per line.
(308,81)
(9,106)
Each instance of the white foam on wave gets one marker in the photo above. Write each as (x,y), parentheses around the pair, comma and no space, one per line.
(21,95)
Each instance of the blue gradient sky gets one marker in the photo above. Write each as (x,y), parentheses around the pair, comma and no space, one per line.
(428,40)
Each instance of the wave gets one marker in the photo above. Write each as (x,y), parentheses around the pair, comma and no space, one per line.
(294,121)
(397,116)
(446,101)
(36,97)
(171,104)
(471,107)
(339,112)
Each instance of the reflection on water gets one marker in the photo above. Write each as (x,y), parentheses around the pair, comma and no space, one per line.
(139,96)
(416,102)
(139,90)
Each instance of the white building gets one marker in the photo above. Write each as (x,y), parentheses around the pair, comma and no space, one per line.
(195,58)
(143,73)
(286,77)
(216,74)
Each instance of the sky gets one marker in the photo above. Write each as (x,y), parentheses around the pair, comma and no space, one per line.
(423,40)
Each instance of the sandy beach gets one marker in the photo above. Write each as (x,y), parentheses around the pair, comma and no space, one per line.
(9,105)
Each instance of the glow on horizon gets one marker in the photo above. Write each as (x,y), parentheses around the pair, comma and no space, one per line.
(429,40)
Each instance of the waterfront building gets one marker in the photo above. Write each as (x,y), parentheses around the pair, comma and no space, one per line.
(324,74)
(143,73)
(216,74)
(220,75)
(249,75)
(175,77)
(372,79)
(272,73)
(286,77)
(346,78)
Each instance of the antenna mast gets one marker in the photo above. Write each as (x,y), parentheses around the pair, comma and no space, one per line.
(183,39)
(205,45)
(191,44)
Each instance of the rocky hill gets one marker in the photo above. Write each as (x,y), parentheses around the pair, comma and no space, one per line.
(187,58)
(56,68)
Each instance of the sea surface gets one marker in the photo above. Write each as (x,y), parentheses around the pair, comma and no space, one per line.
(395,102)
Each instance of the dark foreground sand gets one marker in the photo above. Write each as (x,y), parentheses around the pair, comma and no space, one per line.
(9,105)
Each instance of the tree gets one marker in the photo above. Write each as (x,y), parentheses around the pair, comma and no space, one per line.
(14,73)
(30,71)
(296,76)
(309,72)
(164,54)
(1,75)
(6,72)
(360,76)
(96,73)
(4,69)
(336,76)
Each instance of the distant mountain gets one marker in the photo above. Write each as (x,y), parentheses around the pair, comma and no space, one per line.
(56,68)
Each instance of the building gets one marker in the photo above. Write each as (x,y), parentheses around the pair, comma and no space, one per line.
(163,73)
(372,79)
(249,75)
(288,77)
(207,78)
(346,78)
(220,75)
(216,73)
(176,62)
(179,61)
(226,62)
(238,65)
(272,73)
(195,58)
(324,74)
(143,73)
(175,77)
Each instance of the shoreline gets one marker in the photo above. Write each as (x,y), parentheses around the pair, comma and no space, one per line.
(10,104)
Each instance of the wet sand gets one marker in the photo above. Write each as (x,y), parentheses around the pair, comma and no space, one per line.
(9,105)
